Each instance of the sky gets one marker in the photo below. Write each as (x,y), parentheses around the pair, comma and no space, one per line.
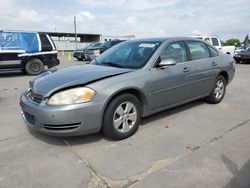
(143,18)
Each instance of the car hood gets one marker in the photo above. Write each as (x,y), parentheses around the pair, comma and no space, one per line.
(49,82)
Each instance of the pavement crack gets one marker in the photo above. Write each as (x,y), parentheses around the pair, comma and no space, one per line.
(156,166)
(214,139)
(238,125)
(10,138)
(97,180)
(195,148)
(217,138)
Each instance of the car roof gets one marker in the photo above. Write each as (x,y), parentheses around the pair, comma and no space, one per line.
(20,31)
(163,39)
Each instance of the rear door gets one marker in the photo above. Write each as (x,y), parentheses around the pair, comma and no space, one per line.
(205,67)
(173,84)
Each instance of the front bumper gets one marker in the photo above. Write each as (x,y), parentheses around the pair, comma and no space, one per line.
(89,57)
(78,55)
(242,58)
(68,120)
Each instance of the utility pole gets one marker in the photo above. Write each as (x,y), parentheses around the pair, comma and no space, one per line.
(75,32)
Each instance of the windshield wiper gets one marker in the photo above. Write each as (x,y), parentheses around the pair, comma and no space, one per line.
(113,64)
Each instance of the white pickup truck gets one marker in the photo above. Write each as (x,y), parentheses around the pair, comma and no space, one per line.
(215,41)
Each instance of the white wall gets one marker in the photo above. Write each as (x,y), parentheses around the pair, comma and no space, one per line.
(67,45)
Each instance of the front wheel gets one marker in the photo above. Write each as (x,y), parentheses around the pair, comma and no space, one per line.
(79,59)
(218,91)
(122,117)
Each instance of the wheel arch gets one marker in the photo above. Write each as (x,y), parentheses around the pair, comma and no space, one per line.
(224,74)
(134,91)
(28,58)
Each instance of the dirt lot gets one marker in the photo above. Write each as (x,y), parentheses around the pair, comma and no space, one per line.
(195,145)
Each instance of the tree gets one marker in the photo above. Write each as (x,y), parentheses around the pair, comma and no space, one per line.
(233,42)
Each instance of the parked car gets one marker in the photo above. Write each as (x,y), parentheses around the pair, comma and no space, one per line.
(239,49)
(243,56)
(91,53)
(27,51)
(131,80)
(215,41)
(79,54)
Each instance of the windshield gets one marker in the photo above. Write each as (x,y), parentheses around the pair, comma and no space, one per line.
(131,54)
(248,49)
(92,45)
(96,45)
(106,44)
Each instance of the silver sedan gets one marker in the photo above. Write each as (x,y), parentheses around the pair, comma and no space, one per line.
(129,81)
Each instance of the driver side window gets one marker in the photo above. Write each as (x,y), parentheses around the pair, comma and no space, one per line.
(175,51)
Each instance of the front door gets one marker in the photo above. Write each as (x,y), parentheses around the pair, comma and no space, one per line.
(172,84)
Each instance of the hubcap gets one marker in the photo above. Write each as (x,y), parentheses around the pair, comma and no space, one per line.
(125,117)
(219,89)
(35,67)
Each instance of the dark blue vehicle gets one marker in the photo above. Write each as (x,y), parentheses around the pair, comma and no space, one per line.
(79,54)
(27,51)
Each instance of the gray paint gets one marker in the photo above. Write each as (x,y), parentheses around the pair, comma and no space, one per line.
(161,88)
(49,82)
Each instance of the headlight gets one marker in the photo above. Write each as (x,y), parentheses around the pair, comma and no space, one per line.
(97,52)
(72,96)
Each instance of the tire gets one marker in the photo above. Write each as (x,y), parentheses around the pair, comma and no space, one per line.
(218,91)
(127,121)
(34,67)
(237,62)
(80,59)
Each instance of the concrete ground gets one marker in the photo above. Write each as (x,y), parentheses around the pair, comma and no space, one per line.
(197,145)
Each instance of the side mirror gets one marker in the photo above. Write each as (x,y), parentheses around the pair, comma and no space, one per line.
(167,62)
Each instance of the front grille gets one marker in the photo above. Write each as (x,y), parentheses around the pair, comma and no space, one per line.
(61,127)
(35,97)
(29,118)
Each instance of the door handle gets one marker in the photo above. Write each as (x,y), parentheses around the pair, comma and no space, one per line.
(186,69)
(214,64)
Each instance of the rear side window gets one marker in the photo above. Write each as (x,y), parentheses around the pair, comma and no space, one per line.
(198,50)
(46,46)
(11,41)
(213,52)
(215,41)
(175,51)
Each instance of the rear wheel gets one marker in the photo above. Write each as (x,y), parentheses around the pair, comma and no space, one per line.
(122,117)
(218,91)
(34,67)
